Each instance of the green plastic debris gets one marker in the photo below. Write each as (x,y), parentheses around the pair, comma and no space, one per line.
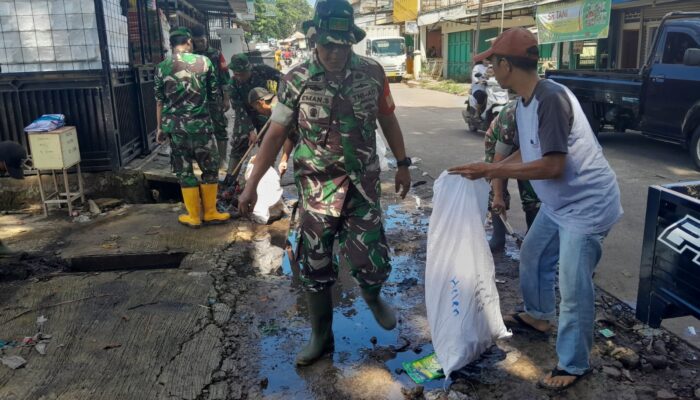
(607,333)
(424,369)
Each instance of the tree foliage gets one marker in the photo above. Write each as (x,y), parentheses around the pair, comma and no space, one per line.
(289,15)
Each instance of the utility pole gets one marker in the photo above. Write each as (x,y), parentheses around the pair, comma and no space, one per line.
(475,50)
(376,5)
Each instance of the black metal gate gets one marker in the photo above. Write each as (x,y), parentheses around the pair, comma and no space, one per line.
(80,96)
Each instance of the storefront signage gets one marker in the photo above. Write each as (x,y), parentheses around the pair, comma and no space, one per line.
(573,20)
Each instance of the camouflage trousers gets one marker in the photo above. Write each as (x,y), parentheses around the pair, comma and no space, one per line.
(201,149)
(528,197)
(220,123)
(361,243)
(239,145)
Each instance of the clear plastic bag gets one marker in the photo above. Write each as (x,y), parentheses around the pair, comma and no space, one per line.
(460,281)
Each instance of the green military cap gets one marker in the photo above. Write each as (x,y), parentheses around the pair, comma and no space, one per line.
(181,31)
(239,63)
(333,23)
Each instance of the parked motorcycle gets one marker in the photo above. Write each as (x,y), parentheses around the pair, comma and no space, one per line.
(496,98)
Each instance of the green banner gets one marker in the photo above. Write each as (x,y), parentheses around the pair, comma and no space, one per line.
(573,20)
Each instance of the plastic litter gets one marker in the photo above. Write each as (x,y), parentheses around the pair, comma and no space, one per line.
(424,369)
(13,362)
(607,333)
(460,290)
(691,331)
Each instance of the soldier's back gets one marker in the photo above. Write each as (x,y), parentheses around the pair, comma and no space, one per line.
(185,79)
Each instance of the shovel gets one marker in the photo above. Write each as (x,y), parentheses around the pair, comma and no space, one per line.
(509,229)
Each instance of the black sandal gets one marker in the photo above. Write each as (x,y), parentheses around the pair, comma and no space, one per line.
(519,324)
(560,372)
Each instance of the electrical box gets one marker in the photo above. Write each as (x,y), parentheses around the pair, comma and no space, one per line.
(57,149)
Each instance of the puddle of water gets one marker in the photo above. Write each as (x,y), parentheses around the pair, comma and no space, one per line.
(356,364)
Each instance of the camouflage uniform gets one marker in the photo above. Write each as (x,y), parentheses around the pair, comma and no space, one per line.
(218,115)
(186,84)
(246,118)
(500,139)
(336,167)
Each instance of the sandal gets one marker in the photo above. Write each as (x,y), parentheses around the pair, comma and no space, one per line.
(560,372)
(519,324)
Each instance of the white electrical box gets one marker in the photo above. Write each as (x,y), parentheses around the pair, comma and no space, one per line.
(57,149)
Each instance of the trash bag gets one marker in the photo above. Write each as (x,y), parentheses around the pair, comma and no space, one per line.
(381,153)
(269,196)
(460,289)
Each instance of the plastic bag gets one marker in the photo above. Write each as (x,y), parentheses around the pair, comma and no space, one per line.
(46,123)
(381,153)
(269,195)
(460,290)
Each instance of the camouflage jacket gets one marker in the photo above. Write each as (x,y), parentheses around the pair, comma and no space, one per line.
(246,118)
(219,62)
(185,83)
(336,123)
(501,134)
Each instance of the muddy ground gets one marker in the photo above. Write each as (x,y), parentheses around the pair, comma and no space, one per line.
(227,323)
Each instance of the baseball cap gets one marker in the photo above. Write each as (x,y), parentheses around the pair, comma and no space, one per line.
(515,42)
(13,155)
(259,93)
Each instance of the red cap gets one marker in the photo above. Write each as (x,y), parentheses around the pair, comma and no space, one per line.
(515,42)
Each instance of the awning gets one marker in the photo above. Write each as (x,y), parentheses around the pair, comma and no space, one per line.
(220,6)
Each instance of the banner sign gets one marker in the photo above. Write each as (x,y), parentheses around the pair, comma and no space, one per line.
(411,28)
(573,20)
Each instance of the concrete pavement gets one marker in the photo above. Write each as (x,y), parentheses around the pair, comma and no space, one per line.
(435,132)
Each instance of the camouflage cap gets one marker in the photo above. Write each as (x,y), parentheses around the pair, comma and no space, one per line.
(239,63)
(333,23)
(181,31)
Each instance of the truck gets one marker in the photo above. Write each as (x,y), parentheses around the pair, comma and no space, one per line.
(669,275)
(385,44)
(661,100)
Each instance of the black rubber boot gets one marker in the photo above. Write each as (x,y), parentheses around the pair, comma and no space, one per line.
(498,238)
(385,316)
(530,216)
(321,316)
(5,251)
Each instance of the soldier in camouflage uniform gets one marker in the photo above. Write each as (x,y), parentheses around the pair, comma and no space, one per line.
(185,86)
(246,122)
(262,102)
(335,99)
(499,143)
(218,109)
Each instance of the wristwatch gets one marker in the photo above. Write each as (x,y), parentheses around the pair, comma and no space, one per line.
(406,162)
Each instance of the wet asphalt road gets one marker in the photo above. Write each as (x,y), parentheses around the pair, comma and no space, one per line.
(435,132)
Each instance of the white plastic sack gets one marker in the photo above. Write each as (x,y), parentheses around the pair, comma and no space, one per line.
(460,288)
(269,194)
(381,153)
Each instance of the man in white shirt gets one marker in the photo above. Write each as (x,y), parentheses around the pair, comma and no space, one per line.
(561,157)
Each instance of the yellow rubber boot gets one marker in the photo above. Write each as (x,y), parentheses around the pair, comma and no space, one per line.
(211,215)
(193,204)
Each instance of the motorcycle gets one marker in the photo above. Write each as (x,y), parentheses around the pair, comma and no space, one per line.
(496,99)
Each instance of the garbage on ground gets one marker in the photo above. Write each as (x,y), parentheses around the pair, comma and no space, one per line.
(461,297)
(13,362)
(46,123)
(424,369)
(607,333)
(691,331)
